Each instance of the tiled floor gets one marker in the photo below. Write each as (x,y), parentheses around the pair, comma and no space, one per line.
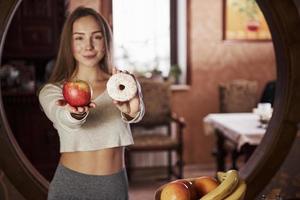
(146,181)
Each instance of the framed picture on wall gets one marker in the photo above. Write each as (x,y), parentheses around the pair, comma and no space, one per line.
(244,21)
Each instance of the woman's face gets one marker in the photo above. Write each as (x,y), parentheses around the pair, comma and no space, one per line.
(87,42)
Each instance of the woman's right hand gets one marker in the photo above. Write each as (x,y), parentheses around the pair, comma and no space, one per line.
(81,110)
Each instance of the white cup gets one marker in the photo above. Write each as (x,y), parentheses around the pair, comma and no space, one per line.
(264,106)
(264,110)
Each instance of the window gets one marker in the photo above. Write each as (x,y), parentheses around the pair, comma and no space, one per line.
(148,36)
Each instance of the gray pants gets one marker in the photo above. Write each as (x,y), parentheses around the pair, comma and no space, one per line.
(68,184)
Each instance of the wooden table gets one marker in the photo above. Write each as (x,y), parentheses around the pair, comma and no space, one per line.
(243,130)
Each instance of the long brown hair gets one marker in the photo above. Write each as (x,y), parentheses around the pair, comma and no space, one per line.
(65,64)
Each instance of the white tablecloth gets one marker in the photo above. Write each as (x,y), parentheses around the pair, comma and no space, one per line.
(241,128)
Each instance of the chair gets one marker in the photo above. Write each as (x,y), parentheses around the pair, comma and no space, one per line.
(237,96)
(158,114)
(268,94)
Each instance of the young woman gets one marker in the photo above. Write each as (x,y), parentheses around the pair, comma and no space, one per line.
(93,137)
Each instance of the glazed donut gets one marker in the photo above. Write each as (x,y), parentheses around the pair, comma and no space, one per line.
(121,87)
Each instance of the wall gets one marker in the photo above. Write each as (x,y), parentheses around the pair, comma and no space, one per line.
(211,62)
(87,3)
(102,6)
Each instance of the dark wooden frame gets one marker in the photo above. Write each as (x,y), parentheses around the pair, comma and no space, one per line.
(18,171)
(224,26)
(284,22)
(173,32)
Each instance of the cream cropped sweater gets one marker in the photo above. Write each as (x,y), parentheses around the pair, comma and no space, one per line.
(103,127)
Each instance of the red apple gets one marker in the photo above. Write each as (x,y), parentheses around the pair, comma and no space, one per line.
(176,190)
(205,184)
(77,93)
(191,188)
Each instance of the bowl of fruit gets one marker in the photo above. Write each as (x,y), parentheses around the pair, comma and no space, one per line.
(227,185)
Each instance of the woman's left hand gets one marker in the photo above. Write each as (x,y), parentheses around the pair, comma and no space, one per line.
(131,107)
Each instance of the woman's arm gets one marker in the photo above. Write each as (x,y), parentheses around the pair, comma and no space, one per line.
(58,111)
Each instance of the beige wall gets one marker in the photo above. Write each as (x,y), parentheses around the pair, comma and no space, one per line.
(95,4)
(102,6)
(212,61)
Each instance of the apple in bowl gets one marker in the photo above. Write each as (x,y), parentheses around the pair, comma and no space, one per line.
(187,189)
(179,190)
(205,184)
(77,93)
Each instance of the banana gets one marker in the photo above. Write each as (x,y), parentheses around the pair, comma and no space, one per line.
(221,176)
(226,187)
(239,192)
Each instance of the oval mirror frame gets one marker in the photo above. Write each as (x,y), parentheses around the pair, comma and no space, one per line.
(284,23)
(15,169)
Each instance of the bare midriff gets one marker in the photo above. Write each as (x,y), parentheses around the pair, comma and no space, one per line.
(100,162)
